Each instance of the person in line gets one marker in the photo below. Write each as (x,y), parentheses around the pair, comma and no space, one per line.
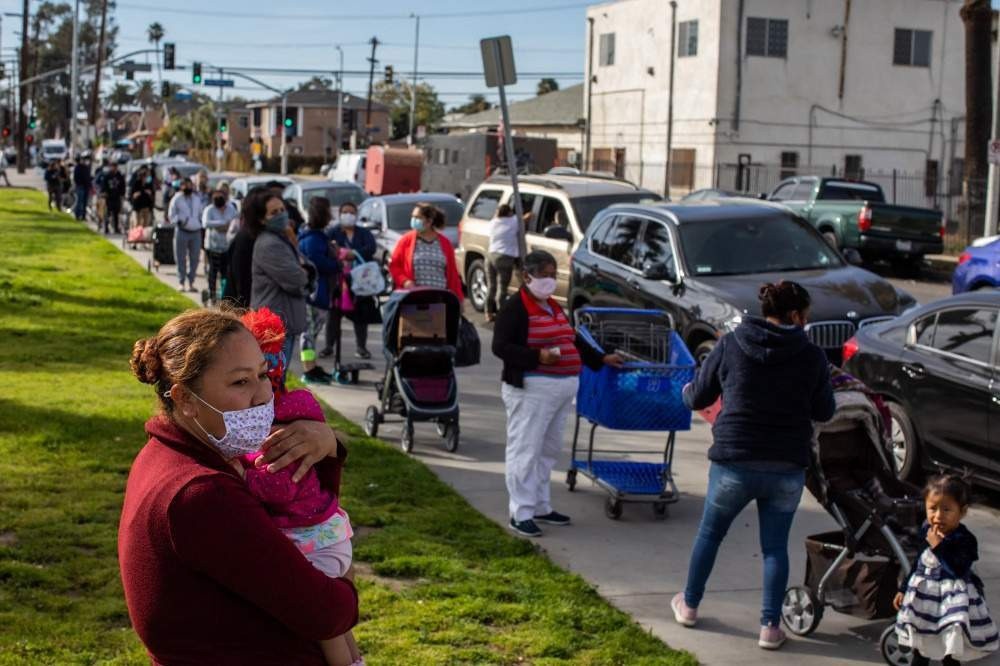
(113,188)
(216,220)
(83,180)
(504,252)
(424,257)
(54,178)
(239,279)
(185,213)
(280,274)
(142,194)
(209,577)
(361,242)
(316,247)
(542,357)
(774,383)
(294,214)
(171,185)
(3,167)
(942,610)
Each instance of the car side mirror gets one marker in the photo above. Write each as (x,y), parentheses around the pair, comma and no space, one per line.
(558,232)
(853,257)
(658,270)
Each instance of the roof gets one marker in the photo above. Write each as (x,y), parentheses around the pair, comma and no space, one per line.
(574,186)
(327,184)
(732,208)
(417,197)
(560,107)
(319,98)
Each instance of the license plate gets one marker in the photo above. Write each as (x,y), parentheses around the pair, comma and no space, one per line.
(904,246)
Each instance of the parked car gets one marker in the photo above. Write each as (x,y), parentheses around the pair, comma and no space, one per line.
(854,214)
(710,193)
(388,218)
(561,209)
(350,167)
(301,194)
(936,367)
(978,266)
(241,186)
(703,264)
(53,149)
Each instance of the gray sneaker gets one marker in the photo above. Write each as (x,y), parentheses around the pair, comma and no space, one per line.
(771,638)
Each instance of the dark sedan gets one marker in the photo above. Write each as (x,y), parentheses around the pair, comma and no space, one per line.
(937,367)
(704,263)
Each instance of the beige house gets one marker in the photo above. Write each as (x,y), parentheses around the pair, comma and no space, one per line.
(314,123)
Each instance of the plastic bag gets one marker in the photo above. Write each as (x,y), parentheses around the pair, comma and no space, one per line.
(468,349)
(367,279)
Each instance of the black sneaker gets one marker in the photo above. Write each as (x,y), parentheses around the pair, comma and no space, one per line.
(314,377)
(526,528)
(325,352)
(321,372)
(554,518)
(364,353)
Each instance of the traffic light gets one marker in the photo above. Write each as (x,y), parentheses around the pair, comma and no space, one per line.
(165,90)
(196,73)
(388,74)
(6,132)
(168,55)
(223,124)
(30,138)
(288,122)
(32,122)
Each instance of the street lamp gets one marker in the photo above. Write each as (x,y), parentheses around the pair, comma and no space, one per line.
(413,91)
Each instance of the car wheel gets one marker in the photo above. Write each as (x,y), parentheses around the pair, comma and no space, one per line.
(702,350)
(903,441)
(475,280)
(831,239)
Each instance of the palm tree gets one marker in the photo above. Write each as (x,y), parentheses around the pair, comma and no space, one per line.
(119,96)
(145,96)
(546,86)
(155,33)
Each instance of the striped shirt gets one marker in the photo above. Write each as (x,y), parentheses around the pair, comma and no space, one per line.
(429,264)
(548,328)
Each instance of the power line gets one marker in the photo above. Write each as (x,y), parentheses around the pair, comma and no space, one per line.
(328,44)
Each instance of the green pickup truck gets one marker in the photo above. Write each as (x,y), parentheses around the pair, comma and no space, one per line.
(854,214)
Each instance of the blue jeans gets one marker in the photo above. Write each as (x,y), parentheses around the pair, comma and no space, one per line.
(82,193)
(187,251)
(730,489)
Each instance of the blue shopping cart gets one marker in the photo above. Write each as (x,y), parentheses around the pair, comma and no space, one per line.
(645,395)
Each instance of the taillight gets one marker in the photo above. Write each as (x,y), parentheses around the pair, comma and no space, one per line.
(944,226)
(964,257)
(850,349)
(865,219)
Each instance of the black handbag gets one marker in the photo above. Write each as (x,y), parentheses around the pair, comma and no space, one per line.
(468,349)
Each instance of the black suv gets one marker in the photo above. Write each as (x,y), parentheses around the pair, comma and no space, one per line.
(703,263)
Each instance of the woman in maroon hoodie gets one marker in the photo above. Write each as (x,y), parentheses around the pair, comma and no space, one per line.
(208,578)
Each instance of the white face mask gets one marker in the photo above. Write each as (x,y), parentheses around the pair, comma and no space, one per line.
(542,288)
(348,219)
(246,429)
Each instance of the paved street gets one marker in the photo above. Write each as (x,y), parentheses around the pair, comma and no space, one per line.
(638,563)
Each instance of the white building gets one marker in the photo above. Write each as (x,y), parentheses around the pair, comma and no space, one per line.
(863,87)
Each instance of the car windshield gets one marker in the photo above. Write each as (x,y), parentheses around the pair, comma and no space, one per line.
(336,195)
(54,149)
(587,207)
(188,169)
(837,190)
(399,214)
(757,245)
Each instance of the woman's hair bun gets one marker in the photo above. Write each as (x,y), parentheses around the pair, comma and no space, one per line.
(145,361)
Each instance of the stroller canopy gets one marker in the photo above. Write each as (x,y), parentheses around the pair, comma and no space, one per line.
(392,308)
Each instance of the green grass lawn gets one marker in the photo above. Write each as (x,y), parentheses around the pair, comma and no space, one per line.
(440,584)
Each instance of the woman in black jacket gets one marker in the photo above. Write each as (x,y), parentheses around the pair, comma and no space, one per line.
(239,278)
(542,356)
(774,383)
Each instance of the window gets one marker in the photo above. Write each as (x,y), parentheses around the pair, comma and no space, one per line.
(767,37)
(789,164)
(243,121)
(655,247)
(923,331)
(621,240)
(606,57)
(398,215)
(783,192)
(586,208)
(598,241)
(852,167)
(931,178)
(371,211)
(967,333)
(804,190)
(687,39)
(842,190)
(485,204)
(256,117)
(912,48)
(682,168)
(551,212)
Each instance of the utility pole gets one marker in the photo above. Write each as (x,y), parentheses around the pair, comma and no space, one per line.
(340,102)
(284,135)
(74,78)
(219,152)
(585,162)
(371,80)
(977,15)
(413,92)
(670,103)
(993,182)
(22,101)
(96,92)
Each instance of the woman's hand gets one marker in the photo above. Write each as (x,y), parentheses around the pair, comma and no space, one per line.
(409,284)
(613,360)
(897,601)
(547,357)
(305,441)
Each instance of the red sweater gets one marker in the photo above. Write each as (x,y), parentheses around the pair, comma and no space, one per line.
(208,578)
(401,263)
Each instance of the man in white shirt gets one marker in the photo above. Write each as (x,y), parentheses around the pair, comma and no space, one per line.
(185,213)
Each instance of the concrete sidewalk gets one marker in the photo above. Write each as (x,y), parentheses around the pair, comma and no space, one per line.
(637,563)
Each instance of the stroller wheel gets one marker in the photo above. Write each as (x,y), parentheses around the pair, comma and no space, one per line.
(406,439)
(613,508)
(894,653)
(571,479)
(371,421)
(800,611)
(451,438)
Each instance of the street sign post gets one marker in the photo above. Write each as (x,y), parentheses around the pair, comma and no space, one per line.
(499,71)
(220,83)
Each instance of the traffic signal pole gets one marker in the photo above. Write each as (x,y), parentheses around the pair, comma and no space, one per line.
(284,135)
(22,97)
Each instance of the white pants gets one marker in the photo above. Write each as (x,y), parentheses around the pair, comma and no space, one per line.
(536,419)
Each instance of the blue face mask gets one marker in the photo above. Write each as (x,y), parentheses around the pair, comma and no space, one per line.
(278,223)
(416,224)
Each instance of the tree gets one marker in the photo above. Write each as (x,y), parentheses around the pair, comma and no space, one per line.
(155,33)
(475,104)
(546,86)
(119,96)
(193,130)
(978,18)
(429,108)
(317,83)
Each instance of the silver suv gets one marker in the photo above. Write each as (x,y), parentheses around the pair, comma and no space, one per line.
(561,207)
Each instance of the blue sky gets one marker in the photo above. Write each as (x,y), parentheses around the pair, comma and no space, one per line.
(297,35)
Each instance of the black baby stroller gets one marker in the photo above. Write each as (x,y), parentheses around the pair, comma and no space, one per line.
(857,569)
(419,333)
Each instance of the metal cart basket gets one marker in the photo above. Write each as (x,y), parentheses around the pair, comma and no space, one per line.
(645,395)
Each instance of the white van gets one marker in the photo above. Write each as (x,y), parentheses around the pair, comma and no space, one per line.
(350,167)
(53,149)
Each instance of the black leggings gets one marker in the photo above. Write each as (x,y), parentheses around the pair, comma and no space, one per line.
(333,330)
(921,660)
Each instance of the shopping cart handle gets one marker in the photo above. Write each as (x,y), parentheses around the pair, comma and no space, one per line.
(589,309)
